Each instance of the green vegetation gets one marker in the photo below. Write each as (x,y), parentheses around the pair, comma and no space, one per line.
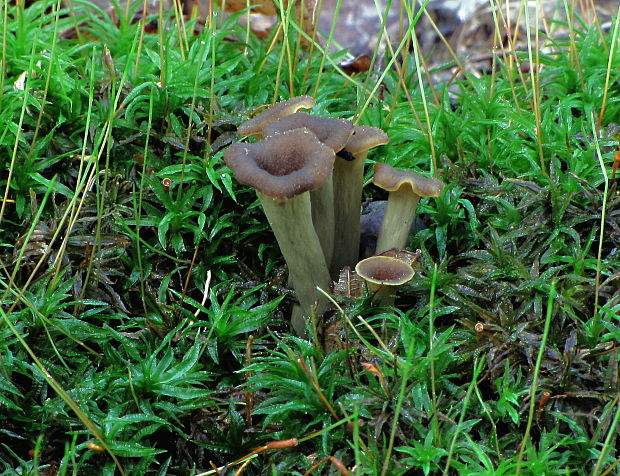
(143,299)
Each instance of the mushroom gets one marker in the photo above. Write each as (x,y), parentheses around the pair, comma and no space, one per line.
(331,131)
(283,169)
(382,274)
(334,133)
(256,125)
(348,178)
(405,189)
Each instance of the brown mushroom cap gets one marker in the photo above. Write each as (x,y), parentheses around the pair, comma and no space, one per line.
(391,179)
(364,138)
(281,109)
(282,166)
(384,271)
(331,131)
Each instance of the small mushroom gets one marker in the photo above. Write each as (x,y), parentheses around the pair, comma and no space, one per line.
(334,133)
(383,274)
(256,125)
(405,189)
(283,169)
(348,181)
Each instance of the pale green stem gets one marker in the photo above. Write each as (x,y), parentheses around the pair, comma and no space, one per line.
(397,221)
(291,222)
(322,202)
(382,293)
(348,180)
(534,385)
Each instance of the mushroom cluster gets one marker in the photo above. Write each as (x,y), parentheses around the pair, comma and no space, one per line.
(308,175)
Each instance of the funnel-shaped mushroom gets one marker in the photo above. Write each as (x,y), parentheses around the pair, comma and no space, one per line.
(383,274)
(405,189)
(257,124)
(348,178)
(334,133)
(331,131)
(283,169)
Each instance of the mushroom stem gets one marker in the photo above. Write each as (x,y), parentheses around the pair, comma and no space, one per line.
(381,294)
(382,275)
(334,133)
(322,201)
(348,179)
(405,189)
(291,222)
(399,216)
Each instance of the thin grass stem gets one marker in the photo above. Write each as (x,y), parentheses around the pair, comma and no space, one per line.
(325,52)
(541,351)
(284,23)
(5,26)
(610,58)
(48,76)
(399,403)
(573,54)
(431,352)
(478,366)
(429,127)
(599,256)
(534,80)
(388,66)
(375,55)
(18,135)
(611,435)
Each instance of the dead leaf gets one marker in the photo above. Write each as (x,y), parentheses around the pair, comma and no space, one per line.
(349,284)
